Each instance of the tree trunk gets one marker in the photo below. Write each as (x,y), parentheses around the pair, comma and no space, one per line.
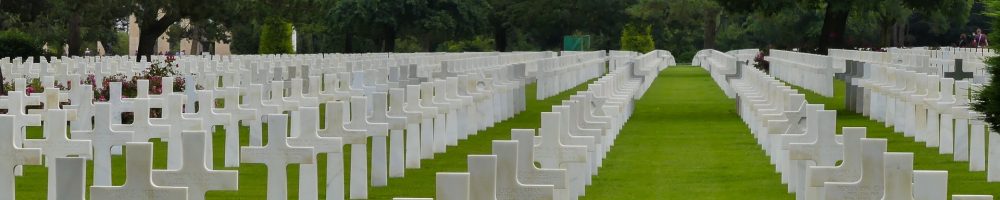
(73,41)
(710,31)
(499,36)
(348,39)
(834,25)
(149,32)
(390,38)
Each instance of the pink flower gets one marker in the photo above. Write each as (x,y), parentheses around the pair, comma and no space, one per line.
(29,90)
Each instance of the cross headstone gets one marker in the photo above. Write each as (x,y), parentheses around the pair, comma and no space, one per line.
(307,119)
(56,145)
(849,169)
(397,119)
(958,74)
(898,175)
(194,173)
(554,154)
(871,185)
(142,127)
(508,185)
(103,138)
(138,180)
(12,155)
(118,103)
(276,156)
(178,123)
(527,172)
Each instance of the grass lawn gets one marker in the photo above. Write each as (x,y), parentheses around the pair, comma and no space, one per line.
(252,185)
(960,179)
(685,141)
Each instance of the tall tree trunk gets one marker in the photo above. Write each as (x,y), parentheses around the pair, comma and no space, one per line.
(73,41)
(834,25)
(150,31)
(390,38)
(710,30)
(499,36)
(348,39)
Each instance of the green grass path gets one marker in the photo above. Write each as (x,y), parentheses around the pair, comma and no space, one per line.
(685,141)
(960,179)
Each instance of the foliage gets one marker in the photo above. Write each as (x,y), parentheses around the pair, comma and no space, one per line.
(408,45)
(477,44)
(637,38)
(276,37)
(14,43)
(987,100)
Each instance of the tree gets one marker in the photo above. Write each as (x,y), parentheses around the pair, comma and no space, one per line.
(836,13)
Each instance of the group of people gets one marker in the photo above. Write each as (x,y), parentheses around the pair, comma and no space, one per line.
(977,40)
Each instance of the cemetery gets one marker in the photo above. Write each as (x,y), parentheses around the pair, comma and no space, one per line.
(499,100)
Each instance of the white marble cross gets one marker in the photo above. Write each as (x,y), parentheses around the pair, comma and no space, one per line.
(12,155)
(178,123)
(440,128)
(527,172)
(138,180)
(307,119)
(420,133)
(194,173)
(397,118)
(56,145)
(823,151)
(276,155)
(236,114)
(142,128)
(552,153)
(118,103)
(871,185)
(379,159)
(849,170)
(103,138)
(509,187)
(359,152)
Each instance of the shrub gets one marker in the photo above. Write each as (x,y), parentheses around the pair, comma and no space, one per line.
(987,100)
(15,43)
(637,38)
(276,37)
(477,44)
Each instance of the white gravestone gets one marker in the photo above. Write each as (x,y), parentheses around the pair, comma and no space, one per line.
(527,172)
(509,187)
(103,139)
(141,126)
(871,185)
(452,185)
(898,176)
(307,120)
(482,177)
(336,127)
(138,180)
(12,156)
(237,114)
(359,152)
(848,170)
(178,123)
(56,145)
(552,153)
(379,159)
(276,155)
(441,134)
(71,178)
(194,173)
(397,119)
(414,115)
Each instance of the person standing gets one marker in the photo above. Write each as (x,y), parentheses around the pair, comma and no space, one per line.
(963,40)
(980,40)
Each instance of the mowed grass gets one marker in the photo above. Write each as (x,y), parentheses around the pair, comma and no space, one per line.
(960,179)
(685,141)
(253,177)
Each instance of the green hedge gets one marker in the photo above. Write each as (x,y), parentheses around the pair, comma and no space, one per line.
(15,43)
(276,37)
